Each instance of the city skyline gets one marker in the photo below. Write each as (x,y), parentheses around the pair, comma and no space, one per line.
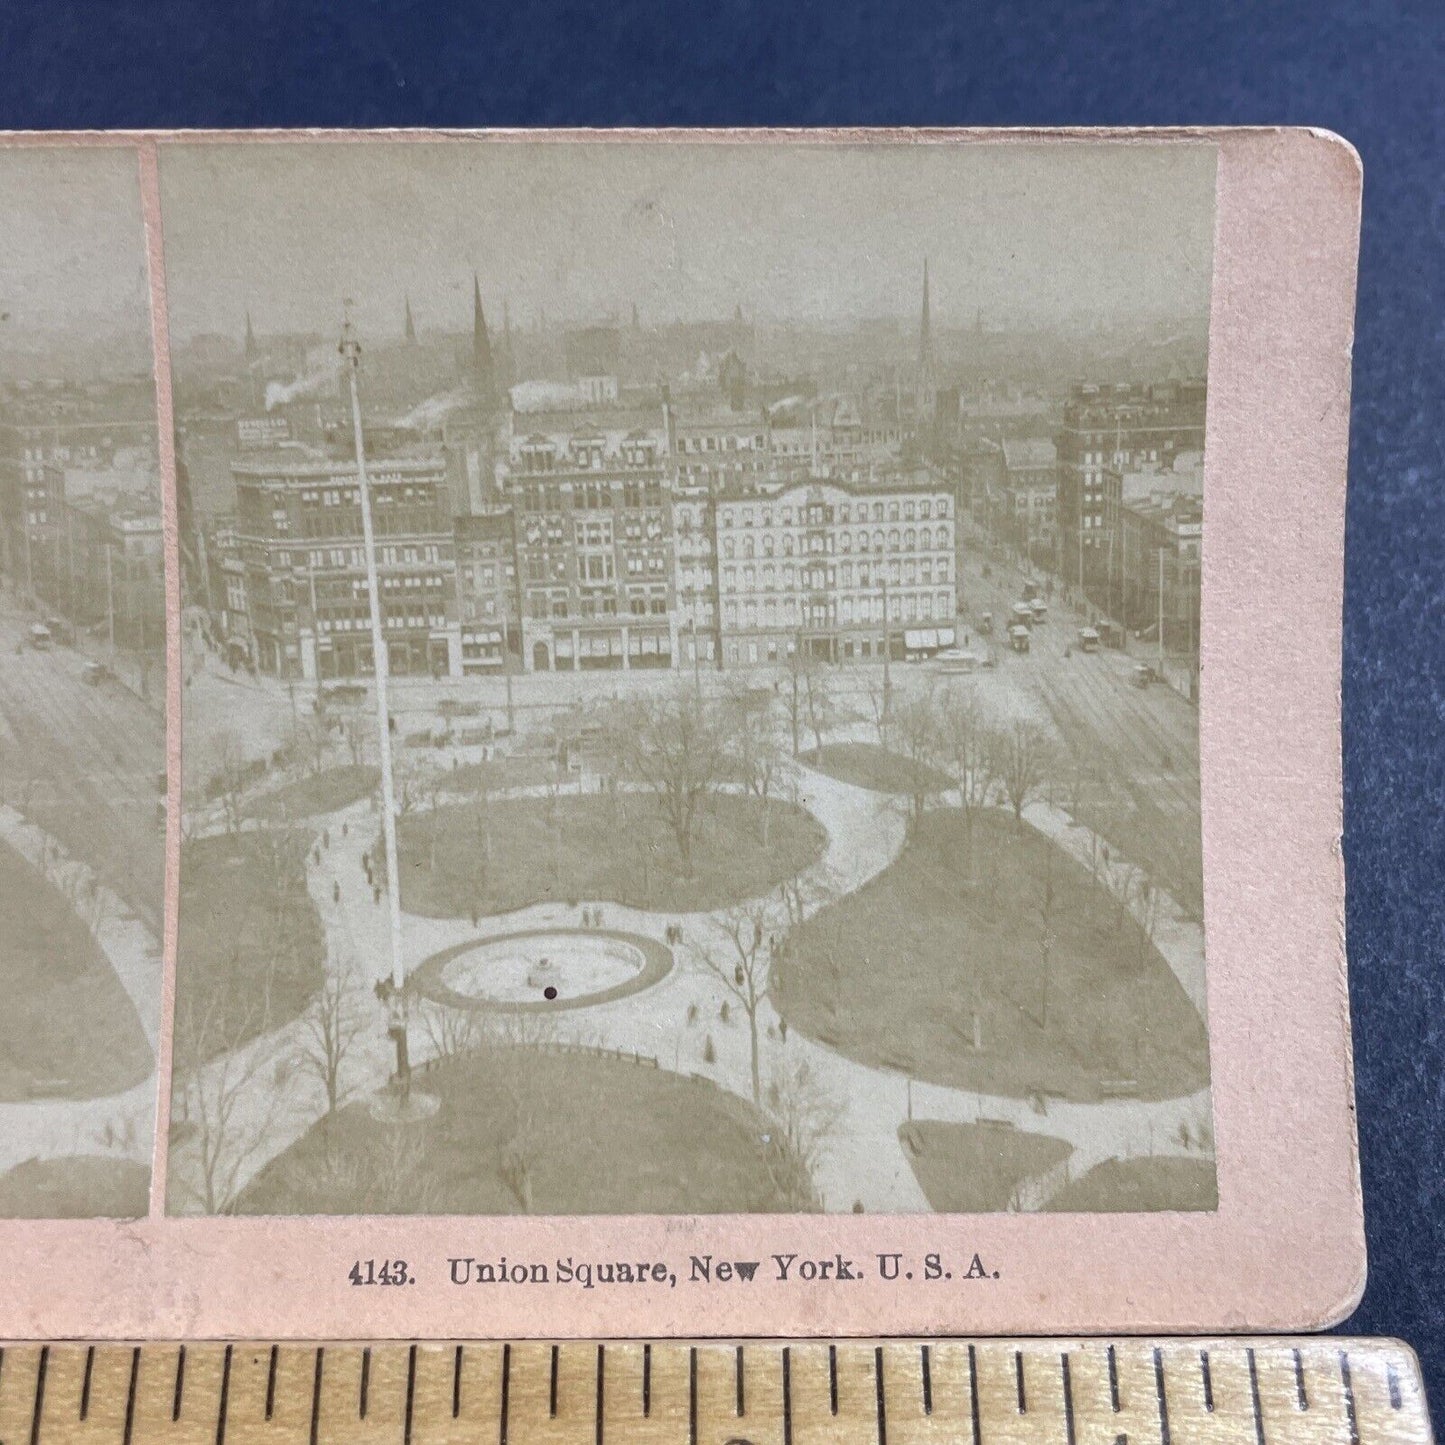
(1017,232)
(777,799)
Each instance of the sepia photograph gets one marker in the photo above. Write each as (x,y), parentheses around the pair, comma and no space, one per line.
(691,674)
(82,689)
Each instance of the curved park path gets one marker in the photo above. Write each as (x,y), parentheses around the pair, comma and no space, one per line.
(113,1126)
(863,1159)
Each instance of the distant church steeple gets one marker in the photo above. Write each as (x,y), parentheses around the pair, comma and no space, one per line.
(483,373)
(410,325)
(926,394)
(251,347)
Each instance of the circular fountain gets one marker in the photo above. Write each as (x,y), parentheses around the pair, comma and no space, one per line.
(547,969)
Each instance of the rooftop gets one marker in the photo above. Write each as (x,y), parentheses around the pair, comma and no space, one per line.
(1029,453)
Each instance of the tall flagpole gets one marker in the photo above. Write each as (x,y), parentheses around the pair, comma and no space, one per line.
(350,350)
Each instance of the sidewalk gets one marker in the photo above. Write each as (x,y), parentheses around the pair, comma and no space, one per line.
(117,1125)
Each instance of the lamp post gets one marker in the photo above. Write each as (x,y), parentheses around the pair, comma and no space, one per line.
(350,350)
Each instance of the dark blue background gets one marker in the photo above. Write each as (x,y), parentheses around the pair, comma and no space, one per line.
(1374,72)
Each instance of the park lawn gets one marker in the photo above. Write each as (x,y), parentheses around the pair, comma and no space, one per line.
(68,1028)
(1131,1186)
(897,973)
(598,1136)
(1132,822)
(615,848)
(866,765)
(251,948)
(975,1168)
(80,1186)
(496,775)
(316,793)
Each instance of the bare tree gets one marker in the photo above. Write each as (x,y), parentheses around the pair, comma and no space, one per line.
(308,741)
(756,754)
(802,1116)
(676,746)
(223,766)
(330,1028)
(917,731)
(879,710)
(793,697)
(1046,905)
(276,853)
(355,735)
(450,1031)
(392,1174)
(224,1102)
(821,702)
(743,970)
(1147,904)
(1022,757)
(525,1146)
(965,744)
(1116,875)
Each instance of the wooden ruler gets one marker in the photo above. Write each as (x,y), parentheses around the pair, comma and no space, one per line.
(1319,1390)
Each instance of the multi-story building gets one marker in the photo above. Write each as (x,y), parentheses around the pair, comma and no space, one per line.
(591,495)
(1153,512)
(1121,427)
(303,572)
(487,596)
(58,425)
(696,585)
(101,564)
(1030,492)
(832,569)
(714,446)
(1160,539)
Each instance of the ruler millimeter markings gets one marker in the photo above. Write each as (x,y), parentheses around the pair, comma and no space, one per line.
(1306,1391)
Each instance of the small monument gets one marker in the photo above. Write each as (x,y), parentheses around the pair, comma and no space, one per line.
(543,974)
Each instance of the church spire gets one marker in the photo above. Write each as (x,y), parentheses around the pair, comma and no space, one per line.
(251,347)
(925,402)
(482,372)
(410,325)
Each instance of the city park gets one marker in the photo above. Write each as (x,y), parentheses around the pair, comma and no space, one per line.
(799,939)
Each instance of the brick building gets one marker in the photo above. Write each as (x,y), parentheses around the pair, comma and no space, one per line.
(487,596)
(591,496)
(1124,427)
(301,569)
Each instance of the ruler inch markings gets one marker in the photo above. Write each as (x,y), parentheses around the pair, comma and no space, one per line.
(1306,1391)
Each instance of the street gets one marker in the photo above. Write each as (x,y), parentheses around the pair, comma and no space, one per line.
(82,761)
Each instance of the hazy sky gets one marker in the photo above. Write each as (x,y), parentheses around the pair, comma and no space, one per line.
(580,230)
(72,249)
